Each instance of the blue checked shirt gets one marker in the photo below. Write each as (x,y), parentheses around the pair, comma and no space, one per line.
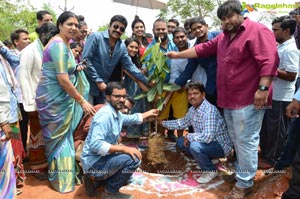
(208,125)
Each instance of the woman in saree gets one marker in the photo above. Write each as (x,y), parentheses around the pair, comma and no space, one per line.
(60,100)
(30,73)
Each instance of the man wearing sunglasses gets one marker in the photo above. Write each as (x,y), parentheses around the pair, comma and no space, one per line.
(103,160)
(103,51)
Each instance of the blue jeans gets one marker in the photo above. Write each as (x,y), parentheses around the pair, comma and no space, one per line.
(244,125)
(203,153)
(114,170)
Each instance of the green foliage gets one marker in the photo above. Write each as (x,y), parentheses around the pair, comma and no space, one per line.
(155,60)
(51,10)
(185,9)
(18,14)
(14,16)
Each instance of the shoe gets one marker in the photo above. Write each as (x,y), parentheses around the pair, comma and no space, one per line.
(238,193)
(285,195)
(207,177)
(90,186)
(279,166)
(117,195)
(264,164)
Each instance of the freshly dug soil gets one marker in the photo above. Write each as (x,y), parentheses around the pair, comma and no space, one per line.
(176,164)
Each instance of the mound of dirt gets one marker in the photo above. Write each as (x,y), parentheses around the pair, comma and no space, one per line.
(175,165)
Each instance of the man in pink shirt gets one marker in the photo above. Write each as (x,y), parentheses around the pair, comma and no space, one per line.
(247,61)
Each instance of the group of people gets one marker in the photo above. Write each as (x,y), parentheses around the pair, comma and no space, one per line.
(73,88)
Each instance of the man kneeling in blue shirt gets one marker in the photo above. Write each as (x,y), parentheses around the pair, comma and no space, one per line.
(210,140)
(103,160)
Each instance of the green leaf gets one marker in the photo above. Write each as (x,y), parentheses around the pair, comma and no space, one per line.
(140,96)
(171,87)
(150,77)
(150,64)
(151,94)
(160,103)
(163,76)
(148,51)
(157,79)
(160,86)
(166,69)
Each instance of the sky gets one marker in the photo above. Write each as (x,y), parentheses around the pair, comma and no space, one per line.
(98,13)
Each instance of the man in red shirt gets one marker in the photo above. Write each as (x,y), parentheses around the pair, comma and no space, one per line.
(247,61)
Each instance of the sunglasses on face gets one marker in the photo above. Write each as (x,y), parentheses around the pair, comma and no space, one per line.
(116,27)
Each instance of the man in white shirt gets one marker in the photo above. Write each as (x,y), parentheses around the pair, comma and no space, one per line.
(274,128)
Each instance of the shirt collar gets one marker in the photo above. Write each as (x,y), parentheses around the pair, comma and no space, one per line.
(115,114)
(287,42)
(106,34)
(202,106)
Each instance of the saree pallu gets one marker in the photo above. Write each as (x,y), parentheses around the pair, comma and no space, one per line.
(19,152)
(59,116)
(36,148)
(7,175)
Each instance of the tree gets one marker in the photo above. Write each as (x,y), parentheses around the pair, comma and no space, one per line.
(14,16)
(186,9)
(18,14)
(158,95)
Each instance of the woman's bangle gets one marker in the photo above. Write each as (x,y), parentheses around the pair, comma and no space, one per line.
(81,100)
(78,97)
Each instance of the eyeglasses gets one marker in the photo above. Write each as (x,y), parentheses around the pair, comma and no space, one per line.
(119,96)
(116,27)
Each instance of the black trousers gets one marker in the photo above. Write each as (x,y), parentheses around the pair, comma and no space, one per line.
(24,126)
(293,191)
(273,132)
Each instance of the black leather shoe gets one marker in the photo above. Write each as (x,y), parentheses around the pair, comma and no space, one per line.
(90,185)
(286,195)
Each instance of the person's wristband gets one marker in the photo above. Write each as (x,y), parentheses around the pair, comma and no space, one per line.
(263,88)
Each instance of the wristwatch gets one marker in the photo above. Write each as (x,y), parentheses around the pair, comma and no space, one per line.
(263,88)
